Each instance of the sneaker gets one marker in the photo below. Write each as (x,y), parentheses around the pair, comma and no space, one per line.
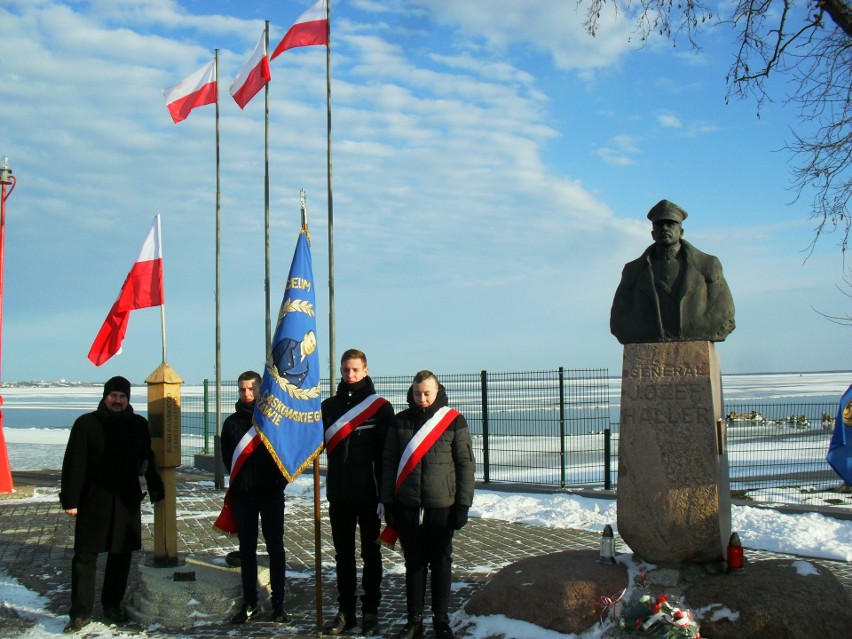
(369,625)
(245,613)
(75,624)
(343,621)
(114,614)
(413,628)
(279,614)
(441,625)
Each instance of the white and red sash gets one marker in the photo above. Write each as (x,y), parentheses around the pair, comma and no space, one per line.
(419,445)
(422,441)
(352,419)
(245,447)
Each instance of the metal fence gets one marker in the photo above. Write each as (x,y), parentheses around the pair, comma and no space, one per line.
(556,429)
(776,452)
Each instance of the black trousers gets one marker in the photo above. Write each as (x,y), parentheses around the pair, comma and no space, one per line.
(427,545)
(344,518)
(271,513)
(83,568)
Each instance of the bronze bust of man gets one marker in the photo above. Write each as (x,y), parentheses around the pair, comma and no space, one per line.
(672,292)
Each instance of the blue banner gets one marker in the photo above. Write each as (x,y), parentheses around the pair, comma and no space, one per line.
(840,449)
(287,412)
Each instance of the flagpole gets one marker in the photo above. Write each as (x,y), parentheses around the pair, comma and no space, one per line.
(163,305)
(266,284)
(219,475)
(331,321)
(303,208)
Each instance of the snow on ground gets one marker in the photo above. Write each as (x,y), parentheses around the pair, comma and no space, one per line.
(807,534)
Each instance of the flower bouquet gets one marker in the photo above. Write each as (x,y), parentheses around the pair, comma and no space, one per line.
(660,617)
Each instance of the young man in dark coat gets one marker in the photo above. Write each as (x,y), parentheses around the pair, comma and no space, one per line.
(107,452)
(256,490)
(356,421)
(427,489)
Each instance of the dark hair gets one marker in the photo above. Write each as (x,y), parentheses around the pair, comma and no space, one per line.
(423,375)
(250,375)
(353,353)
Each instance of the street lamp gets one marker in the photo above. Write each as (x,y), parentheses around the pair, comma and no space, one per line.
(6,180)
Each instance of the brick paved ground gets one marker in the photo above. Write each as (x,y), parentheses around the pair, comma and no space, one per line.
(37,539)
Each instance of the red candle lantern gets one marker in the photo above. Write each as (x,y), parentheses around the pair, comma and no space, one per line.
(736,561)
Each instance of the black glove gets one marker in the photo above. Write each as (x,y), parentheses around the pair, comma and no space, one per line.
(390,518)
(458,516)
(156,488)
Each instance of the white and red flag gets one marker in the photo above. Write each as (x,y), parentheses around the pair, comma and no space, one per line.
(142,288)
(253,76)
(309,29)
(194,90)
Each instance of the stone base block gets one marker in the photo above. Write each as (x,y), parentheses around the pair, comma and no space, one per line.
(158,597)
(673,491)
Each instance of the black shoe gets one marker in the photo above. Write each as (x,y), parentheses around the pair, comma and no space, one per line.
(413,628)
(441,625)
(369,625)
(114,614)
(245,613)
(75,624)
(343,621)
(279,614)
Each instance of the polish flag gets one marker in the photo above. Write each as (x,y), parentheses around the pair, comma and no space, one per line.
(142,288)
(310,28)
(253,76)
(193,91)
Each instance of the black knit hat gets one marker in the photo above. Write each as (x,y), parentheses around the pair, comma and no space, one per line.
(117,384)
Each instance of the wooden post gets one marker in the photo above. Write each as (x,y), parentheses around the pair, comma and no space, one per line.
(164,422)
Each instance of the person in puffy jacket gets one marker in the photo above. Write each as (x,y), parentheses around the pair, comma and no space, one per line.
(257,490)
(427,490)
(356,420)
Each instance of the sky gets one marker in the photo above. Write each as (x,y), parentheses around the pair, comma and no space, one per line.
(807,535)
(492,169)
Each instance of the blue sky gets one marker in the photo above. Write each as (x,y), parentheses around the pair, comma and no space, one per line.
(493,166)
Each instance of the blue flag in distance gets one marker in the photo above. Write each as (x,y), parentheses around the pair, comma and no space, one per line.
(840,449)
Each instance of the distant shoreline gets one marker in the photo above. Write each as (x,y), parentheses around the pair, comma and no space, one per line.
(66,384)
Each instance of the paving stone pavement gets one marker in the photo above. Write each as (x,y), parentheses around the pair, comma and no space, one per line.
(37,545)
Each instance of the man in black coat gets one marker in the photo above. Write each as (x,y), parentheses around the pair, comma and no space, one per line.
(257,490)
(107,452)
(356,421)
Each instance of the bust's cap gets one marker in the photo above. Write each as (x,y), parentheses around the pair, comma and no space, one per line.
(665,210)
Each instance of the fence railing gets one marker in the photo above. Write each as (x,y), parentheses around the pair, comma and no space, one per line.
(555,428)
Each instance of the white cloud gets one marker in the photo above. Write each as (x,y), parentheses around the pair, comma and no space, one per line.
(669,120)
(621,150)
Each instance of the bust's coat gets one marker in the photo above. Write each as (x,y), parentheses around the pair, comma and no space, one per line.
(706,308)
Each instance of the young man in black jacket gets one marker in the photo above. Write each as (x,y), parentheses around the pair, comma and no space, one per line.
(427,496)
(356,421)
(256,490)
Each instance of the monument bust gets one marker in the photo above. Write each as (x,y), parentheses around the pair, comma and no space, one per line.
(672,292)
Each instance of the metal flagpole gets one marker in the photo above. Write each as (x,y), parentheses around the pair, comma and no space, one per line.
(163,301)
(331,332)
(266,284)
(219,474)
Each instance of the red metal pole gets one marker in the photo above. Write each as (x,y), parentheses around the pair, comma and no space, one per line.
(6,179)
